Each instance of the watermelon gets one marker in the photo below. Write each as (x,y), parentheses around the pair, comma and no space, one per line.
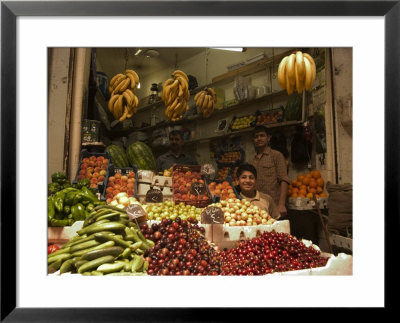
(118,156)
(140,154)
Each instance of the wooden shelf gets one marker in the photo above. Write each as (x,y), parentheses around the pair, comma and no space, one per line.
(250,68)
(244,131)
(199,117)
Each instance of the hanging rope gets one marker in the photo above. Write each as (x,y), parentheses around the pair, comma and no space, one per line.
(126,58)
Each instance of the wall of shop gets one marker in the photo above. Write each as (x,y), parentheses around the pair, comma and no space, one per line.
(57,108)
(343,89)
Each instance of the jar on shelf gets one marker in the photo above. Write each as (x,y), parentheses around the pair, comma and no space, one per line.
(154,96)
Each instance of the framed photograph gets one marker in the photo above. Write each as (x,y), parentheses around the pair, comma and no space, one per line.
(29,28)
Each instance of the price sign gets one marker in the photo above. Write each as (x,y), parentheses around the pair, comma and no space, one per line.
(207,170)
(198,188)
(135,211)
(212,215)
(154,195)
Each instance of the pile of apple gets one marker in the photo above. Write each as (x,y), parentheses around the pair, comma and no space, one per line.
(230,157)
(243,213)
(224,190)
(93,168)
(223,173)
(171,210)
(181,183)
(120,183)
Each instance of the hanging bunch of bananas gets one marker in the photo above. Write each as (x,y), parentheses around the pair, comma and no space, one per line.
(123,101)
(175,95)
(296,72)
(205,101)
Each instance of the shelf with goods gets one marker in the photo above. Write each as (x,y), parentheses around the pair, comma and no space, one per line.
(118,128)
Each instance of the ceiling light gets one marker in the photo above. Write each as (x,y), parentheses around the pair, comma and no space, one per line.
(235,49)
(138,52)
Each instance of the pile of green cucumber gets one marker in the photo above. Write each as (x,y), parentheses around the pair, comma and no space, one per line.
(108,244)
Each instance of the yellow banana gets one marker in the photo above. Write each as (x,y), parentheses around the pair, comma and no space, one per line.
(311,60)
(197,96)
(300,65)
(180,91)
(289,86)
(200,101)
(116,79)
(205,101)
(127,97)
(124,115)
(130,93)
(133,83)
(111,102)
(135,102)
(213,94)
(165,91)
(118,82)
(181,73)
(173,94)
(282,72)
(309,74)
(122,86)
(119,106)
(299,82)
(290,69)
(134,74)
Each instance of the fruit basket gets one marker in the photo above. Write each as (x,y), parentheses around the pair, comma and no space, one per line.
(223,189)
(230,158)
(242,122)
(120,180)
(93,166)
(265,117)
(183,177)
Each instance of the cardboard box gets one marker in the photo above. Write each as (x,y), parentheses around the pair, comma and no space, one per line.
(61,235)
(304,203)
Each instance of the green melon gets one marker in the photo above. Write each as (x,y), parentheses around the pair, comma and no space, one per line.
(140,154)
(118,156)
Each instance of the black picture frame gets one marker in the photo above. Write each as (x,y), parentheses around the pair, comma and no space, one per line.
(10,10)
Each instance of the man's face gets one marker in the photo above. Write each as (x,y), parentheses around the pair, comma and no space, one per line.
(175,141)
(261,139)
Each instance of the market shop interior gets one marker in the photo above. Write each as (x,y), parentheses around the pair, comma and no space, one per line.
(145,146)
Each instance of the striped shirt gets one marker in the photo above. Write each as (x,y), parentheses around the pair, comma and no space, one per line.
(271,171)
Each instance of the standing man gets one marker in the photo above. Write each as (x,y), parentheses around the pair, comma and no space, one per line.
(175,155)
(271,169)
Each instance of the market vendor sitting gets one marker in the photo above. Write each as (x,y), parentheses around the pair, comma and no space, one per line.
(175,155)
(247,177)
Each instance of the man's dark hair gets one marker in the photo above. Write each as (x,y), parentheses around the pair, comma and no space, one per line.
(246,167)
(176,133)
(261,129)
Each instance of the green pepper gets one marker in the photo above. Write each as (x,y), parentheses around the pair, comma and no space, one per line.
(51,209)
(65,185)
(90,207)
(61,223)
(84,202)
(88,195)
(58,177)
(84,182)
(66,209)
(53,188)
(59,198)
(69,197)
(78,212)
